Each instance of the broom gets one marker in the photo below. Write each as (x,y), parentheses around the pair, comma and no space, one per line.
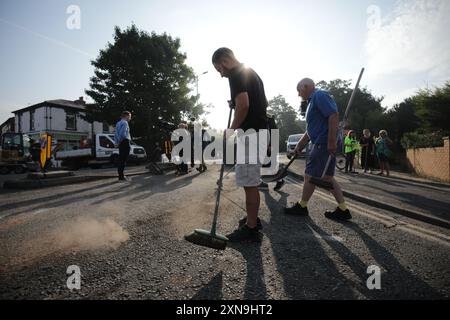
(206,238)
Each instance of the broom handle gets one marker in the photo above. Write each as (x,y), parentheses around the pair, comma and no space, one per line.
(342,124)
(326,166)
(222,169)
(353,95)
(365,160)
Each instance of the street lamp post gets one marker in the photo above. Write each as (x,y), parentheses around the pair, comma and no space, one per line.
(196,80)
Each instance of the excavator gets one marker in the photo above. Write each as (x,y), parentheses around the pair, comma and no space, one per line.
(18,154)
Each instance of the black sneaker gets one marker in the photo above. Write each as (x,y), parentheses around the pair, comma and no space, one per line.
(338,214)
(245,234)
(296,210)
(263,186)
(279,185)
(244,221)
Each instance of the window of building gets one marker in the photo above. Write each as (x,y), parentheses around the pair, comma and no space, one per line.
(71,121)
(32,120)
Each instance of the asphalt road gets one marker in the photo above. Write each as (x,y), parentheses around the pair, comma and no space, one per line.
(127,240)
(413,194)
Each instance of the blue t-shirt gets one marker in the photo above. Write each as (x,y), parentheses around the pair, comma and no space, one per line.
(320,106)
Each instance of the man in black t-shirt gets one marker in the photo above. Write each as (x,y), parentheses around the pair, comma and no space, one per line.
(250,103)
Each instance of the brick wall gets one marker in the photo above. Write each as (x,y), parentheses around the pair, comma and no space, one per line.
(431,163)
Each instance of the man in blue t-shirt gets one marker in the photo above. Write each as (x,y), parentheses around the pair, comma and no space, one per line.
(322,120)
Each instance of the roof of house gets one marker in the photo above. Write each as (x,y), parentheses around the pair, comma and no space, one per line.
(57,103)
(6,122)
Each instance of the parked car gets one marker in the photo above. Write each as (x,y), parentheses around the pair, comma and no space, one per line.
(292,141)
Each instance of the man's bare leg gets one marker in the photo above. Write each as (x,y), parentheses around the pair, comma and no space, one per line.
(336,191)
(308,190)
(252,201)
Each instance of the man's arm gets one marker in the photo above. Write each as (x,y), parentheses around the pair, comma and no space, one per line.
(333,122)
(118,137)
(242,106)
(301,144)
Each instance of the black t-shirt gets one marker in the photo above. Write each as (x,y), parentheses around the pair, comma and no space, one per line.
(368,141)
(247,80)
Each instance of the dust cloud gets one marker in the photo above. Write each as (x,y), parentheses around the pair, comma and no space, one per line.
(88,229)
(89,234)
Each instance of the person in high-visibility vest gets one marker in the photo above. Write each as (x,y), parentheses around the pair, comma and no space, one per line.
(350,151)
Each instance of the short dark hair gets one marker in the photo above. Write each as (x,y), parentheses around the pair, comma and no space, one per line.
(126,113)
(221,53)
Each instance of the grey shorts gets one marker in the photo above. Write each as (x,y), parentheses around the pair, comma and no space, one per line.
(248,167)
(317,161)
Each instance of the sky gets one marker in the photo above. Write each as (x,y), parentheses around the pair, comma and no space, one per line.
(403,44)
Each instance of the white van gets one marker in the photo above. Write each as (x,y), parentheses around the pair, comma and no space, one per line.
(102,152)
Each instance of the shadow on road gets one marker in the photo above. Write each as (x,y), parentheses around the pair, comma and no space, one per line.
(255,287)
(63,197)
(397,281)
(212,291)
(306,269)
(140,186)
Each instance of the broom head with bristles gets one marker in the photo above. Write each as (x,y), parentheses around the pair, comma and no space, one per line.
(206,239)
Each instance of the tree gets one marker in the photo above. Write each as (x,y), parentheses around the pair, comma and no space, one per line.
(147,75)
(433,108)
(425,121)
(401,119)
(366,111)
(286,118)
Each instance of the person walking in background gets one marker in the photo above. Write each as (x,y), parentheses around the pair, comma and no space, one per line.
(122,139)
(368,150)
(383,151)
(182,168)
(350,151)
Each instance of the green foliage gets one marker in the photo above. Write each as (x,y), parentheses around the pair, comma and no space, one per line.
(366,111)
(413,140)
(147,75)
(287,119)
(433,108)
(400,119)
(421,119)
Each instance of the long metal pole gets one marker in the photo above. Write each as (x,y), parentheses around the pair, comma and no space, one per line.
(342,123)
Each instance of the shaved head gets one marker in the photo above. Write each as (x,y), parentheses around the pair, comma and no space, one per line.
(224,61)
(305,87)
(306,82)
